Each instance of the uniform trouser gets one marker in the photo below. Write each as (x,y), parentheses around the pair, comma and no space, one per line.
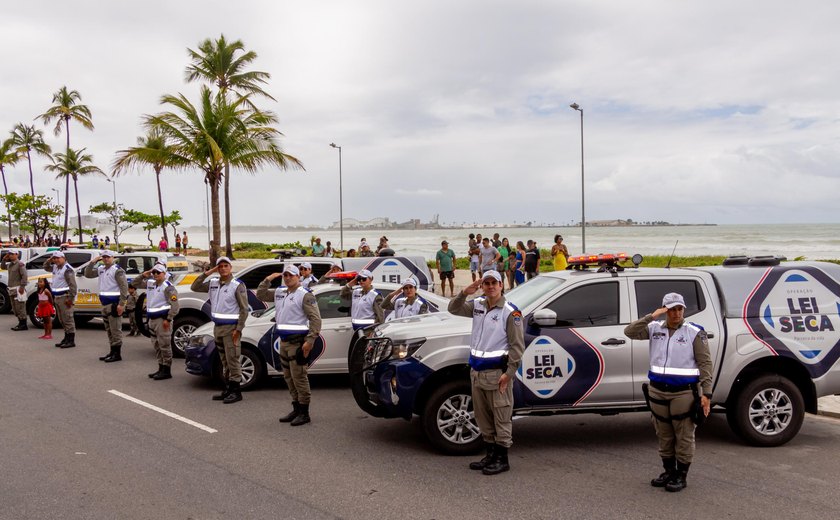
(676,436)
(162,341)
(113,324)
(132,319)
(296,376)
(229,352)
(19,308)
(65,314)
(493,409)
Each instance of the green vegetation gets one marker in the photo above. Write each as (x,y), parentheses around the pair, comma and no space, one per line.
(255,250)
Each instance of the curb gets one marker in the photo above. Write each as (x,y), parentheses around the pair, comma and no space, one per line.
(825,413)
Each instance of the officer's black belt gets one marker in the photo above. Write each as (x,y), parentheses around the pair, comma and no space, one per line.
(665,387)
(293,338)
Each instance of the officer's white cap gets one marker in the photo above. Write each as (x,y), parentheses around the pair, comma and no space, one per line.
(364,273)
(159,268)
(672,300)
(223,259)
(492,274)
(306,265)
(411,281)
(57,254)
(364,244)
(107,252)
(292,270)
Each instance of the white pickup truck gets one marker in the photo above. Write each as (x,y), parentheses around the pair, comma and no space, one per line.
(773,328)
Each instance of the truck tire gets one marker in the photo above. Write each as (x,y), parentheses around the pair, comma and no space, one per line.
(253,368)
(181,330)
(5,300)
(38,323)
(768,411)
(449,420)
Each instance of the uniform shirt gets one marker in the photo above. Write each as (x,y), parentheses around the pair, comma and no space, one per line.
(113,287)
(161,300)
(308,282)
(641,329)
(63,281)
(403,307)
(365,307)
(294,313)
(489,335)
(17,273)
(222,298)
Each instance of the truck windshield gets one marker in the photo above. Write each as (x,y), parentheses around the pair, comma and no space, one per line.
(526,294)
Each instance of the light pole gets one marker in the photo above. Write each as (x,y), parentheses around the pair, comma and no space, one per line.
(58,203)
(340,202)
(575,106)
(116,235)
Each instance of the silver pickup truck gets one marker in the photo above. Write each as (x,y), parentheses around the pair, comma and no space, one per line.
(773,328)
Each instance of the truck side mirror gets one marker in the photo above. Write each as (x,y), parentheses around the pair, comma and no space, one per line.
(545,318)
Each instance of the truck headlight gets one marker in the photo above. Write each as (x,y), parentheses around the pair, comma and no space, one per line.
(406,348)
(200,340)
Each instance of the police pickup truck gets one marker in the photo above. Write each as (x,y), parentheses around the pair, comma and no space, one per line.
(773,329)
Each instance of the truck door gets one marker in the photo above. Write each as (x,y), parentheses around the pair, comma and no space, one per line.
(646,296)
(585,357)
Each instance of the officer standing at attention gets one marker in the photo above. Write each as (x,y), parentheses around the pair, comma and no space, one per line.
(113,292)
(161,308)
(228,310)
(366,302)
(496,346)
(63,285)
(679,361)
(17,286)
(298,325)
(405,302)
(307,279)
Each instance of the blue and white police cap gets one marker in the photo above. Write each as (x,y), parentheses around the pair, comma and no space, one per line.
(223,259)
(107,252)
(364,273)
(411,281)
(671,300)
(492,274)
(57,254)
(291,270)
(306,265)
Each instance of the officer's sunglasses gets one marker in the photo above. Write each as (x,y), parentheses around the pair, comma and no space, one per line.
(157,272)
(362,278)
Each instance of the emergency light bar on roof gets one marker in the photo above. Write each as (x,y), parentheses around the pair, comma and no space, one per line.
(602,261)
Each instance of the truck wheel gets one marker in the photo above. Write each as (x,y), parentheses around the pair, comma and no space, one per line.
(253,368)
(38,323)
(140,317)
(449,420)
(181,333)
(768,411)
(5,300)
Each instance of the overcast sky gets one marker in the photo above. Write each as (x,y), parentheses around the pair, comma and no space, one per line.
(713,111)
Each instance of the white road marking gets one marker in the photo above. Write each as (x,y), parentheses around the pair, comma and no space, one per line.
(164,412)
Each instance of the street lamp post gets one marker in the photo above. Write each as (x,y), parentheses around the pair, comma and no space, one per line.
(575,106)
(116,235)
(340,202)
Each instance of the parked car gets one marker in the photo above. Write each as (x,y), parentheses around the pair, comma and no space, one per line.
(259,357)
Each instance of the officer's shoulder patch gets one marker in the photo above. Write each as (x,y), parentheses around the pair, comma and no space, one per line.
(174,297)
(517,317)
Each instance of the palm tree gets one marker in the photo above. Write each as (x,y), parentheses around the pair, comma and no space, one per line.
(8,157)
(216,133)
(152,150)
(66,107)
(74,164)
(26,139)
(224,64)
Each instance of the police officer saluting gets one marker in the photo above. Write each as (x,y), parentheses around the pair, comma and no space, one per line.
(63,286)
(307,279)
(161,308)
(113,291)
(679,361)
(17,286)
(366,302)
(228,309)
(496,346)
(298,325)
(405,302)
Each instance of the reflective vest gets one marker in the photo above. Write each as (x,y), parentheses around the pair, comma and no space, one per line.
(361,310)
(403,309)
(308,281)
(489,342)
(109,289)
(224,308)
(288,312)
(157,304)
(58,285)
(672,358)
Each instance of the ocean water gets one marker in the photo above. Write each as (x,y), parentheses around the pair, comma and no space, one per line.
(812,241)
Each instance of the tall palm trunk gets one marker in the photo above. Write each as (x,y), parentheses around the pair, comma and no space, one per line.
(31,177)
(160,202)
(6,190)
(78,209)
(228,246)
(217,227)
(66,184)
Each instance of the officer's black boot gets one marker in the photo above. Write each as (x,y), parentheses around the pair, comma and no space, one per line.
(165,373)
(488,458)
(235,395)
(159,370)
(670,465)
(109,354)
(71,340)
(303,417)
(224,394)
(63,341)
(499,463)
(116,355)
(294,413)
(678,483)
(21,325)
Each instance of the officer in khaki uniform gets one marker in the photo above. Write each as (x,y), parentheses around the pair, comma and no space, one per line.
(298,325)
(404,302)
(161,308)
(496,346)
(17,286)
(679,361)
(63,286)
(228,310)
(113,291)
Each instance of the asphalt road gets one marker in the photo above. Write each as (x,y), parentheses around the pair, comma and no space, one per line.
(69,448)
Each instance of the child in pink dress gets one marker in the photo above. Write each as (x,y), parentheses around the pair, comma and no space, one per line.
(45,308)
